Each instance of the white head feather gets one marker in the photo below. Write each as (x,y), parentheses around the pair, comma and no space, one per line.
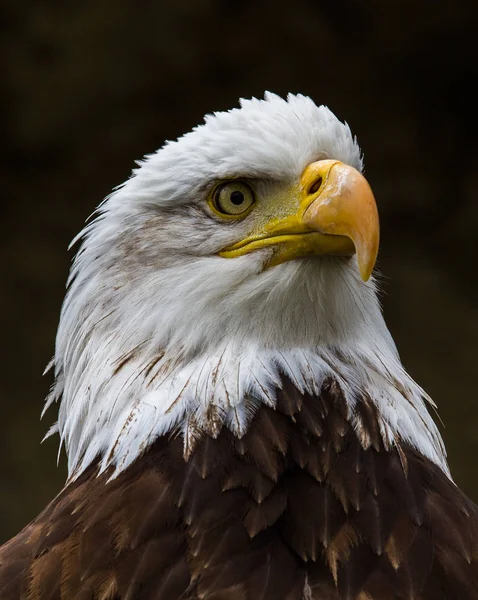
(158,333)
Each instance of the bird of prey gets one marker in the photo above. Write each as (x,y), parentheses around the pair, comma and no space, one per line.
(237,421)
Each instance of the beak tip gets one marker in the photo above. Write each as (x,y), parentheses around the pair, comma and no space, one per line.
(365,275)
(365,267)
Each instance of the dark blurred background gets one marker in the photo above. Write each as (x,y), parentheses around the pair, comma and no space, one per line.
(90,86)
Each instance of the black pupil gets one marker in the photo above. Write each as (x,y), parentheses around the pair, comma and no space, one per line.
(237,198)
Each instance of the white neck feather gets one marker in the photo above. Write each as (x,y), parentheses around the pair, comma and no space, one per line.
(125,377)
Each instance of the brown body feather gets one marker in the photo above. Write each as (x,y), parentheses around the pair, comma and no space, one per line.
(304,506)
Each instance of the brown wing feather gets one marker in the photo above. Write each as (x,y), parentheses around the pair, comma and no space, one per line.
(304,506)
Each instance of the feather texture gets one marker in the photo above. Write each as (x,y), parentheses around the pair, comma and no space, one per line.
(304,505)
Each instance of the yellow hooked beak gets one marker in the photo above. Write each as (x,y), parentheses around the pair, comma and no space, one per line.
(333,212)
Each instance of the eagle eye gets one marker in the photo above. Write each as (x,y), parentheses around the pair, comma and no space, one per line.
(232,199)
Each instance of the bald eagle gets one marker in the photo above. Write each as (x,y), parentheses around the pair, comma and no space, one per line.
(237,421)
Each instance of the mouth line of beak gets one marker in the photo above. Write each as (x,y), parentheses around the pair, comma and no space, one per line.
(305,243)
(262,237)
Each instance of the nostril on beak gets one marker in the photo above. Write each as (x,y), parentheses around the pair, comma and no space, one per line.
(315,187)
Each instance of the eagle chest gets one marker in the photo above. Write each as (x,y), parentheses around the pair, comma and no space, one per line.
(305,505)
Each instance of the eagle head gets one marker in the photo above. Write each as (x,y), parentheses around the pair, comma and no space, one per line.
(238,255)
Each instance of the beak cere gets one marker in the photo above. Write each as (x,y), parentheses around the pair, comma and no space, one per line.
(337,200)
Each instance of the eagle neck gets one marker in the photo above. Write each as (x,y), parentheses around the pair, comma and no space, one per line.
(151,395)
